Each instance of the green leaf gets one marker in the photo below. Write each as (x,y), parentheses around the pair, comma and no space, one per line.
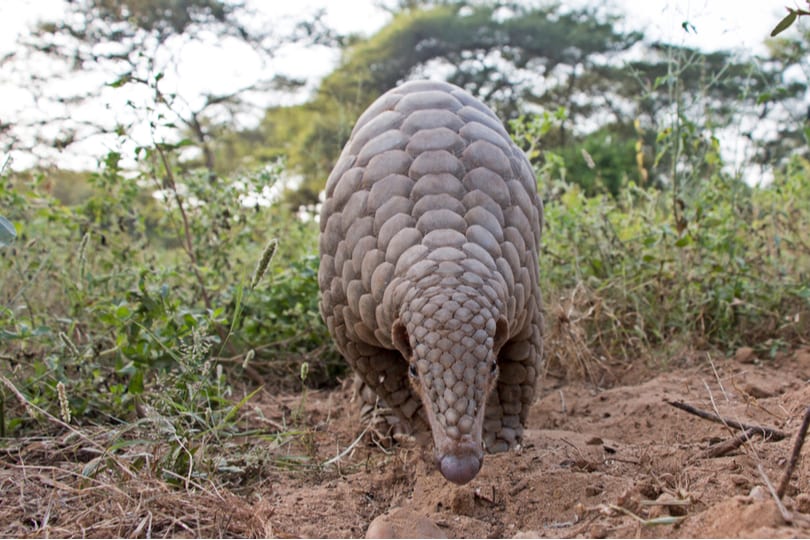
(764,97)
(683,241)
(122,312)
(785,23)
(121,81)
(136,382)
(41,331)
(7,232)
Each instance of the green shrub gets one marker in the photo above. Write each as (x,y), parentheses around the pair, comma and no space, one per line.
(130,300)
(733,270)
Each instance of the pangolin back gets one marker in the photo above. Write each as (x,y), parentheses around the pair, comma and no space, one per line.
(429,273)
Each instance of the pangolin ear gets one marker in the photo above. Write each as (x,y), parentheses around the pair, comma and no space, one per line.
(399,335)
(501,333)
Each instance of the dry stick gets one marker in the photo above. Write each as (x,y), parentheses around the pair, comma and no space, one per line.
(766,432)
(794,456)
(188,244)
(723,448)
(786,515)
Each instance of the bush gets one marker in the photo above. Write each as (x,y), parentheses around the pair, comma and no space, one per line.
(131,301)
(731,270)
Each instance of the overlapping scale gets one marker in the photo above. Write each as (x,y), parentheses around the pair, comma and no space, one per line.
(432,218)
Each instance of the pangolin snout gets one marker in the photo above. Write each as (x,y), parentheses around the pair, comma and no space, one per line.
(462,466)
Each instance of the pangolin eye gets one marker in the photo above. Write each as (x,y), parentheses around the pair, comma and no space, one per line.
(412,370)
(493,367)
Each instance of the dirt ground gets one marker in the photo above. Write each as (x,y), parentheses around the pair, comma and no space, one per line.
(619,462)
(596,462)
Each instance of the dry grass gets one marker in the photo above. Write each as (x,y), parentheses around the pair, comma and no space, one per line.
(567,344)
(126,481)
(46,492)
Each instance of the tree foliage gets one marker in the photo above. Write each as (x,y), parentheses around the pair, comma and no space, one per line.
(497,52)
(619,92)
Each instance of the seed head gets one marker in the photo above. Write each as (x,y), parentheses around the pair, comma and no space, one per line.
(64,406)
(264,262)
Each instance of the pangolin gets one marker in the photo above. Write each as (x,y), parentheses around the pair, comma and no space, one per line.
(429,238)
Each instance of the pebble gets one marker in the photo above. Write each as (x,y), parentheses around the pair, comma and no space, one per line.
(403,523)
(598,531)
(745,355)
(759,493)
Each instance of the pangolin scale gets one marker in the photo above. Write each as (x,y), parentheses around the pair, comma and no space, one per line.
(429,243)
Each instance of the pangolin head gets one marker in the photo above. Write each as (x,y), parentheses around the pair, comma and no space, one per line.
(451,340)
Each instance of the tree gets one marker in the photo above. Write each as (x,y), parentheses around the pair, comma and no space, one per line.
(508,54)
(127,55)
(647,112)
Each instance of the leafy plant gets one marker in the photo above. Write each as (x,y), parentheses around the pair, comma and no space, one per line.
(105,297)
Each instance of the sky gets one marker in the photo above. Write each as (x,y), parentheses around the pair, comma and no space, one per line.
(736,25)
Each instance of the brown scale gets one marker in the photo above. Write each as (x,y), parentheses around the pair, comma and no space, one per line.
(429,240)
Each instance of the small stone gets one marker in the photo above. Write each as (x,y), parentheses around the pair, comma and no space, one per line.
(745,355)
(759,493)
(598,531)
(403,523)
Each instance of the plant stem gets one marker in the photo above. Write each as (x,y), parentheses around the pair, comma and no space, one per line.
(188,245)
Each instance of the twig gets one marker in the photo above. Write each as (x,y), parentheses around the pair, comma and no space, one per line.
(53,471)
(188,244)
(716,377)
(786,515)
(766,432)
(562,524)
(794,456)
(723,448)
(188,482)
(346,451)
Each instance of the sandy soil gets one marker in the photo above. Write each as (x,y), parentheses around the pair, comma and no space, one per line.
(617,462)
(596,462)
